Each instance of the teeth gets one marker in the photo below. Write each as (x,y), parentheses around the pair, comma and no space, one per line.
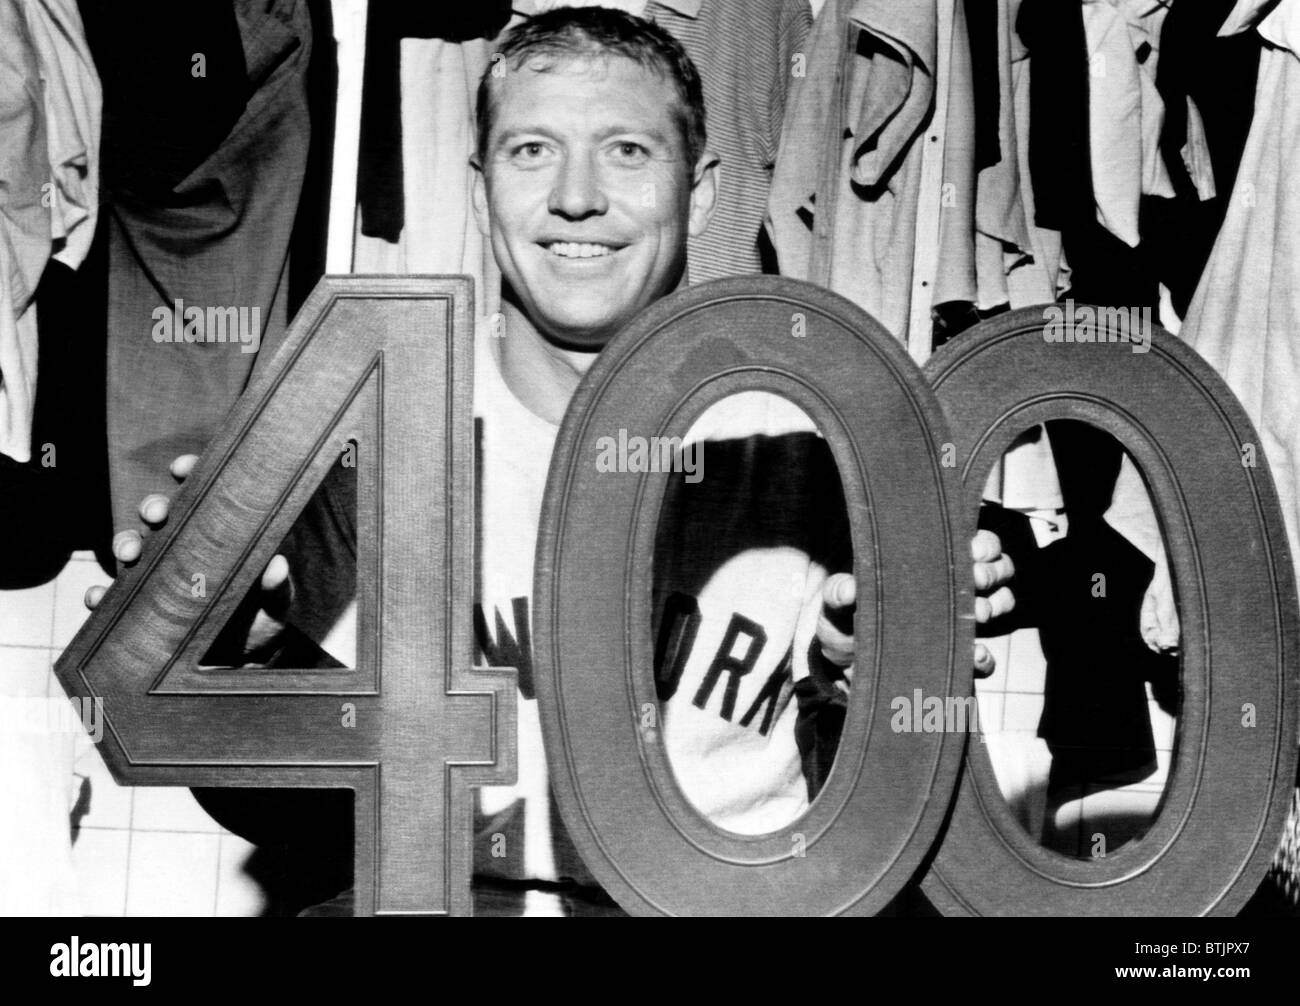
(576,249)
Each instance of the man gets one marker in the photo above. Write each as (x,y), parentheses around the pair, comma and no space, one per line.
(591,173)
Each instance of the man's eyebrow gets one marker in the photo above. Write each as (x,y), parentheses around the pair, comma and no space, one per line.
(514,132)
(505,136)
(650,133)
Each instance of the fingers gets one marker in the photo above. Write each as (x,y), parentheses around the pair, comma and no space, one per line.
(94,595)
(277,587)
(995,573)
(183,465)
(154,509)
(837,646)
(839,593)
(992,569)
(1159,619)
(1148,623)
(127,546)
(840,590)
(276,573)
(277,596)
(985,546)
(1000,602)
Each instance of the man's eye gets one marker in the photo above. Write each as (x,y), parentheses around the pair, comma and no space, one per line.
(530,151)
(631,152)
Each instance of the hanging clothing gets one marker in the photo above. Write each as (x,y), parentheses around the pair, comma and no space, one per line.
(440,59)
(843,207)
(1105,269)
(983,27)
(1059,161)
(49,183)
(1126,113)
(955,279)
(1017,263)
(1036,272)
(999,215)
(202,211)
(382,163)
(25,234)
(745,54)
(1202,117)
(439,82)
(1246,311)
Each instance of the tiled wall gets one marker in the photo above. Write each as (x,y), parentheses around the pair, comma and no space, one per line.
(139,851)
(1010,706)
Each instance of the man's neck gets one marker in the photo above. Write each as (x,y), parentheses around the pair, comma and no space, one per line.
(538,373)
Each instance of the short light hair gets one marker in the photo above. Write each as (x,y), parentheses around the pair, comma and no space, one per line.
(576,32)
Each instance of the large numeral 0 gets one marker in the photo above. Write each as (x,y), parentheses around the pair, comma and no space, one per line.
(887,794)
(1231,778)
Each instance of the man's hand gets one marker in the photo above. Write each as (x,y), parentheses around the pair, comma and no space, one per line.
(991,572)
(839,597)
(277,586)
(1159,619)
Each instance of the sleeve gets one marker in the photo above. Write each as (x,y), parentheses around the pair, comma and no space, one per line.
(794,25)
(321,548)
(823,698)
(322,551)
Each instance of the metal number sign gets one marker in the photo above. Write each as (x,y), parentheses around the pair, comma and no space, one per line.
(881,808)
(384,363)
(1234,761)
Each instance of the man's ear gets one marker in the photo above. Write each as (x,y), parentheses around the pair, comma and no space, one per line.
(478,195)
(704,192)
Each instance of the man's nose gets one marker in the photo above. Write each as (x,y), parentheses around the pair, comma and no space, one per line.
(578,192)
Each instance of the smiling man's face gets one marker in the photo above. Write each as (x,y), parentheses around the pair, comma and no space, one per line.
(586,195)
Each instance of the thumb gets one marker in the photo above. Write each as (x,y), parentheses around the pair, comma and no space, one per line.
(839,598)
(835,621)
(277,587)
(1158,621)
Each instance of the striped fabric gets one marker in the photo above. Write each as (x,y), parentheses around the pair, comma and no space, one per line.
(744,53)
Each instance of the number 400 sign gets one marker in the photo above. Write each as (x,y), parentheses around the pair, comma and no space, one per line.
(386,363)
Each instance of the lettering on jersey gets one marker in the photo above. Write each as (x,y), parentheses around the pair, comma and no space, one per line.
(770,694)
(677,630)
(679,626)
(503,649)
(727,662)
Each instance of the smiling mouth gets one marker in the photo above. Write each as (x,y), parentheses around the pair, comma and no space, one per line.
(580,249)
